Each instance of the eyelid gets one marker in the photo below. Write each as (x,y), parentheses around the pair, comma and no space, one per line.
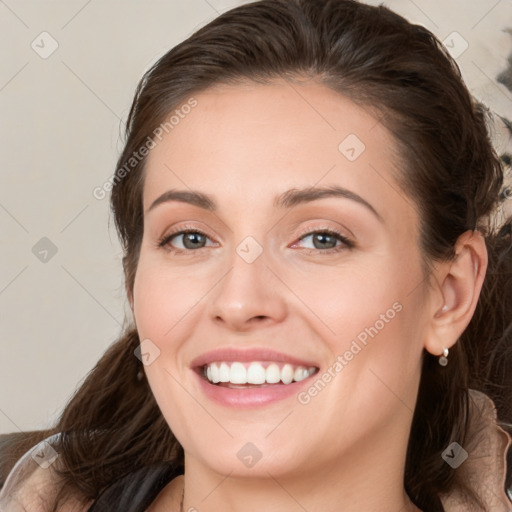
(320,229)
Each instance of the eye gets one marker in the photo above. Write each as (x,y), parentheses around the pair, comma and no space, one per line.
(191,239)
(325,240)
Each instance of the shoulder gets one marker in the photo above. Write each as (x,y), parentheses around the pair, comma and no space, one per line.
(138,489)
(32,485)
(482,466)
(170,496)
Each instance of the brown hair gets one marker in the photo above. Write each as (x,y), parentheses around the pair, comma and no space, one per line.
(447,166)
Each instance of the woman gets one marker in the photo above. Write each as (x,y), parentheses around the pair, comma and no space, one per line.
(321,303)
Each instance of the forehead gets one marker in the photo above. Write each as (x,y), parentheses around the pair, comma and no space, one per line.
(248,141)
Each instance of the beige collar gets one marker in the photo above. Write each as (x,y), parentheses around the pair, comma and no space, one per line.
(484,470)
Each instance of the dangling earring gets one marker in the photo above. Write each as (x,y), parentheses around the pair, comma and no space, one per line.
(443,360)
(140,375)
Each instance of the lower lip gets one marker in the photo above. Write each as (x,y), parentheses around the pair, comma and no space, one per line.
(250,397)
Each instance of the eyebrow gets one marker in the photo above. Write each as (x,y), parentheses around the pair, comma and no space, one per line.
(287,199)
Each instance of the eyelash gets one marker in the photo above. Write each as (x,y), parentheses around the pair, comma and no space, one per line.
(347,243)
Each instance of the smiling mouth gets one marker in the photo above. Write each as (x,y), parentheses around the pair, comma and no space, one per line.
(235,374)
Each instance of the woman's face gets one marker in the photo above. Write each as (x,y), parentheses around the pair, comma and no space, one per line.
(252,286)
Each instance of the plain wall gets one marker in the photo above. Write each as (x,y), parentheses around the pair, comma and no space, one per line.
(61,120)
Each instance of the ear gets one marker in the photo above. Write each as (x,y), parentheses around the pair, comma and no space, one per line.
(454,299)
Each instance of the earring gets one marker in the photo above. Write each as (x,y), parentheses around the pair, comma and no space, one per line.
(443,360)
(140,375)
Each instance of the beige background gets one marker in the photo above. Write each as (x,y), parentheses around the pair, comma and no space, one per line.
(61,119)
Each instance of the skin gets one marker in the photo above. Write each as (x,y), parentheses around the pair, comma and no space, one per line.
(345,449)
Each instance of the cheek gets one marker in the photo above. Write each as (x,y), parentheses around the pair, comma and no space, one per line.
(351,298)
(150,304)
(373,325)
(163,297)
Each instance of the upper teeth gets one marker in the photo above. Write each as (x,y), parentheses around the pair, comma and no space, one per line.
(255,373)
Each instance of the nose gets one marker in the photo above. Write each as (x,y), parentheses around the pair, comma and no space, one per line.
(248,296)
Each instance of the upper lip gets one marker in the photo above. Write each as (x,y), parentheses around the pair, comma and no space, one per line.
(246,355)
